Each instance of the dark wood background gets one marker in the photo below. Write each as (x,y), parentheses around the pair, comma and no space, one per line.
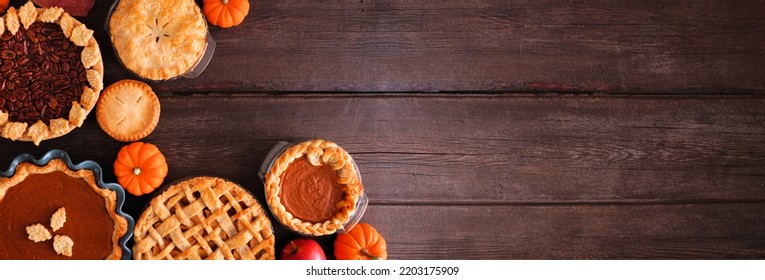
(488,129)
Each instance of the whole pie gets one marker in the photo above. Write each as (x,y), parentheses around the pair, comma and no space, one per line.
(43,207)
(204,218)
(158,39)
(313,187)
(51,73)
(128,110)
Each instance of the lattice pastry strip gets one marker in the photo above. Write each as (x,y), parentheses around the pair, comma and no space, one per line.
(204,218)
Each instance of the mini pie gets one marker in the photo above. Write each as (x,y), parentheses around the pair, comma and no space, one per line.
(31,203)
(313,187)
(51,72)
(204,218)
(128,110)
(158,39)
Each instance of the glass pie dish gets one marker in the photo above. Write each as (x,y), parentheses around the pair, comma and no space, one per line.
(313,187)
(161,44)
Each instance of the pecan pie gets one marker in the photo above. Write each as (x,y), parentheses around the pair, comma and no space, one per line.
(313,187)
(38,202)
(51,73)
(158,39)
(204,218)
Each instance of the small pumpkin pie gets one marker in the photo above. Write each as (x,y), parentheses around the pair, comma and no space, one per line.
(158,39)
(128,110)
(313,187)
(51,72)
(52,212)
(204,218)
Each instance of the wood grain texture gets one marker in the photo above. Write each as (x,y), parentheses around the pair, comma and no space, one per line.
(481,45)
(474,149)
(557,177)
(688,231)
(666,160)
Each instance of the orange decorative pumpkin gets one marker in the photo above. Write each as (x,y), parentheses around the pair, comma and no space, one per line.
(4,6)
(226,13)
(140,168)
(362,242)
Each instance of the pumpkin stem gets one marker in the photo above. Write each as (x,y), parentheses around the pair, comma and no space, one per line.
(365,252)
(225,2)
(137,171)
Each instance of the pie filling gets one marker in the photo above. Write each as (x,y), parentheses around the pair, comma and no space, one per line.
(35,199)
(310,193)
(42,73)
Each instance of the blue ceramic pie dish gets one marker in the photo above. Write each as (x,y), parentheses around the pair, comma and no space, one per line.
(98,174)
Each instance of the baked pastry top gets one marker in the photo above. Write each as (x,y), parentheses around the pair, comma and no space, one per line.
(158,39)
(128,110)
(204,218)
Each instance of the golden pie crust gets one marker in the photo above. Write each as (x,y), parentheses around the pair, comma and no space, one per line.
(204,218)
(318,152)
(24,169)
(17,21)
(158,39)
(128,110)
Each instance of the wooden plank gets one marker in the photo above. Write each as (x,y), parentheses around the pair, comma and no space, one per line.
(481,45)
(683,231)
(470,149)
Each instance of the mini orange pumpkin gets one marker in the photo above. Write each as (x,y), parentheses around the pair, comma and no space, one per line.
(362,242)
(4,6)
(226,13)
(140,168)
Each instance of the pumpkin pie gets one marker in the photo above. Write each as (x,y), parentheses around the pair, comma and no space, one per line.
(51,72)
(128,110)
(204,218)
(158,39)
(52,212)
(313,187)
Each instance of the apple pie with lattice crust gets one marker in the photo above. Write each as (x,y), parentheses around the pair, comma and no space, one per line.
(204,218)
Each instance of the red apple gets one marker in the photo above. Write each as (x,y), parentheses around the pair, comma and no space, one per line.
(302,249)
